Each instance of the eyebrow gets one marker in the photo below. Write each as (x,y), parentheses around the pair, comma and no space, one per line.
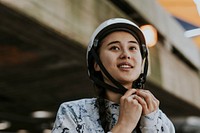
(113,42)
(134,42)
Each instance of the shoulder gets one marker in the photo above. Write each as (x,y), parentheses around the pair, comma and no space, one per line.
(73,109)
(77,116)
(80,102)
(77,105)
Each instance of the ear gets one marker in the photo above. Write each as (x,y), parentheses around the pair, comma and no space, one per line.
(96,67)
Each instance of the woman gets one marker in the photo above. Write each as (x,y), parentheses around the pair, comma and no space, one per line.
(117,59)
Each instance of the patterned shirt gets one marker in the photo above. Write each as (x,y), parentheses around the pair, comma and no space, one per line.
(81,116)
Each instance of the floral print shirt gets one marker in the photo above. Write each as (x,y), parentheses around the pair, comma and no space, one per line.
(81,116)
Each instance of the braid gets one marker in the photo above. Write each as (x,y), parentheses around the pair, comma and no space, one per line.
(101,104)
(103,112)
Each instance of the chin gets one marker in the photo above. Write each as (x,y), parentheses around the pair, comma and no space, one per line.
(126,83)
(127,80)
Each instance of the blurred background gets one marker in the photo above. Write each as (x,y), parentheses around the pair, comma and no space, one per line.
(42,57)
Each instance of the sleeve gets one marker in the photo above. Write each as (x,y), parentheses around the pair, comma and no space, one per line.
(66,121)
(156,122)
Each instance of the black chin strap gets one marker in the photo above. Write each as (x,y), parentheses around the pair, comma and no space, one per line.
(139,83)
(107,86)
(118,89)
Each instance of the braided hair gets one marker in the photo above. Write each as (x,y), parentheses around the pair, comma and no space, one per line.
(103,111)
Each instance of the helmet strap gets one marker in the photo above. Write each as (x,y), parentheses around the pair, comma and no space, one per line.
(119,88)
(139,83)
(107,86)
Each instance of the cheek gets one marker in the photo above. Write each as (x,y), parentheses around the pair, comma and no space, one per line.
(141,64)
(138,60)
(107,62)
(107,58)
(137,57)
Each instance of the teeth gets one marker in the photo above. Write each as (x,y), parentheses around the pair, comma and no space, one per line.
(124,66)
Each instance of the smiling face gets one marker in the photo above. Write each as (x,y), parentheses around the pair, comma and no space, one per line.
(120,54)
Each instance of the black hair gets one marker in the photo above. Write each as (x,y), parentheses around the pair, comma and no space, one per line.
(103,110)
(100,101)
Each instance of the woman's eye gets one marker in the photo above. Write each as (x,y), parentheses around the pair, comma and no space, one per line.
(114,48)
(133,48)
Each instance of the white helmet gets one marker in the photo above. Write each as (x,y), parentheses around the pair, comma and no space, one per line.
(111,25)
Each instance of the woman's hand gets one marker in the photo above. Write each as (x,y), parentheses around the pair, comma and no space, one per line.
(130,112)
(147,100)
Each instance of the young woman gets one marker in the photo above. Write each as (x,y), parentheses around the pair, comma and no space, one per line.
(117,59)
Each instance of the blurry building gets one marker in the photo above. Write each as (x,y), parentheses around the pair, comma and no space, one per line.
(42,60)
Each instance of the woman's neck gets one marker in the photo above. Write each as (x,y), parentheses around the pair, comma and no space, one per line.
(112,96)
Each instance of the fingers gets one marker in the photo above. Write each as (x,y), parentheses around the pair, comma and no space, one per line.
(130,109)
(147,100)
(128,100)
(128,93)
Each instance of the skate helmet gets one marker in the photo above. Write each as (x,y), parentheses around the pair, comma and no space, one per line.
(107,27)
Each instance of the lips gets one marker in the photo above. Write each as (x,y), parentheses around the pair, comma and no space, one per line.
(124,65)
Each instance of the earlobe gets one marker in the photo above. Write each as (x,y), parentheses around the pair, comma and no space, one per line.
(96,67)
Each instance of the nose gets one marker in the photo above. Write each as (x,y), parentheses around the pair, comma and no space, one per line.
(125,55)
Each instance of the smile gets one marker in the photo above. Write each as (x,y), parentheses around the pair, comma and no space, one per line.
(125,65)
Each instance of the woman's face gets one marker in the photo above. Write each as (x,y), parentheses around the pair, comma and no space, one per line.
(120,55)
